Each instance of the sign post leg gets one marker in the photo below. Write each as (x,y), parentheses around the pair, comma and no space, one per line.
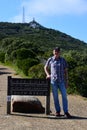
(8,104)
(8,107)
(47,110)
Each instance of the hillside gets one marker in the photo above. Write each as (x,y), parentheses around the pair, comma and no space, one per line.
(26,47)
(35,33)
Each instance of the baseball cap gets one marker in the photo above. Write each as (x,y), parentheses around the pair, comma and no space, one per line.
(57,49)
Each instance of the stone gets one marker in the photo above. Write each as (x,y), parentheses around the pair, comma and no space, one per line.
(26,104)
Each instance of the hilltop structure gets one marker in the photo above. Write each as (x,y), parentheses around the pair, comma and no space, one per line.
(35,24)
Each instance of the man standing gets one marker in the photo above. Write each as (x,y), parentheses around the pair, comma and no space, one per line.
(59,80)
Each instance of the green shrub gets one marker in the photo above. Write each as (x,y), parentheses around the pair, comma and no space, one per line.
(2,57)
(78,81)
(37,71)
(81,80)
(25,64)
(24,53)
(72,84)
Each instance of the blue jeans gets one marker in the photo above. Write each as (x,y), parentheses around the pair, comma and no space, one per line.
(61,86)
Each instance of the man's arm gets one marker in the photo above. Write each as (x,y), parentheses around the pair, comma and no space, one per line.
(47,71)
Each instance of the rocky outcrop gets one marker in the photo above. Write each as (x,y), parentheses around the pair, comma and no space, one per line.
(26,104)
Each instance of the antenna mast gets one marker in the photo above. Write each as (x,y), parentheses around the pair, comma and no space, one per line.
(23,20)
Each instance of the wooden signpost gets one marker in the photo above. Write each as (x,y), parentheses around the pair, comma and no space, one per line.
(24,86)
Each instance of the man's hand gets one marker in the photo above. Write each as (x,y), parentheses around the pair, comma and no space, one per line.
(48,77)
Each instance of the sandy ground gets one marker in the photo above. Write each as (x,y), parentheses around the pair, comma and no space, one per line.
(16,121)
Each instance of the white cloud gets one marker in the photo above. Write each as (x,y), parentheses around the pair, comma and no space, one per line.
(48,8)
(55,7)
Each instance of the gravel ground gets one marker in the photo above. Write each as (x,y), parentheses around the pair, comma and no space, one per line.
(16,121)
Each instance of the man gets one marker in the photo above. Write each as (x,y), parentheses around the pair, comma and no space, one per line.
(59,80)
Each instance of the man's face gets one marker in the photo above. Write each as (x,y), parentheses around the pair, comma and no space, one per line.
(56,53)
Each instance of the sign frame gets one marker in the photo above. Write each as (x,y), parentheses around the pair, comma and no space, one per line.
(25,86)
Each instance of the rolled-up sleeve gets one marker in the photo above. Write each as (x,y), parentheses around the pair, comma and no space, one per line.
(48,62)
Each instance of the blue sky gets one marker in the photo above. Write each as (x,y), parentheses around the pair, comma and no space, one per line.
(67,16)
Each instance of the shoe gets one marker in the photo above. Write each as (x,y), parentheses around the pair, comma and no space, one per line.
(57,114)
(67,114)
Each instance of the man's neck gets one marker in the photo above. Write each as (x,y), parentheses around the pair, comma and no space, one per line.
(56,57)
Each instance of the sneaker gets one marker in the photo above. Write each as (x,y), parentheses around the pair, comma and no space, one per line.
(57,114)
(67,114)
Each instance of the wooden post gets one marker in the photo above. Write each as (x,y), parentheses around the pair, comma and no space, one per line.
(8,97)
(47,110)
(8,107)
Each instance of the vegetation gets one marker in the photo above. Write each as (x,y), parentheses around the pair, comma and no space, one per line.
(27,46)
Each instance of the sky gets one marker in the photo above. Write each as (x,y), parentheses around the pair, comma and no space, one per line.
(67,16)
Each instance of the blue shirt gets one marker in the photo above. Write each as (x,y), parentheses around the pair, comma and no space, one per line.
(57,68)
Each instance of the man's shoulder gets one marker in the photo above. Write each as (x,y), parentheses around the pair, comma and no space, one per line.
(62,59)
(50,58)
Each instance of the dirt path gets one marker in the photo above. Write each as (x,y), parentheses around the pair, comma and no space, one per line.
(77,107)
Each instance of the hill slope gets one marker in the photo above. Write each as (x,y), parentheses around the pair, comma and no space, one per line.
(34,33)
(27,46)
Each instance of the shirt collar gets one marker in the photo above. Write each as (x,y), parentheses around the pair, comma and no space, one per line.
(55,58)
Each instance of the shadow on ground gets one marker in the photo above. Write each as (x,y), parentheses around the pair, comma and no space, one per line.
(49,116)
(1,73)
(3,68)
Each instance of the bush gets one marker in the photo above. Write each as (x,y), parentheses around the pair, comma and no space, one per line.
(2,57)
(25,53)
(25,64)
(72,84)
(81,80)
(37,71)
(78,81)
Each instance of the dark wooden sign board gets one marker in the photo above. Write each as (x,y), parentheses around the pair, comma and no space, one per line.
(24,86)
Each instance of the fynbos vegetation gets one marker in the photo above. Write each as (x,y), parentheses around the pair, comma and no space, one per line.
(28,45)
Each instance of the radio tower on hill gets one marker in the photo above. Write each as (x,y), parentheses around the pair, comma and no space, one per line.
(23,18)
